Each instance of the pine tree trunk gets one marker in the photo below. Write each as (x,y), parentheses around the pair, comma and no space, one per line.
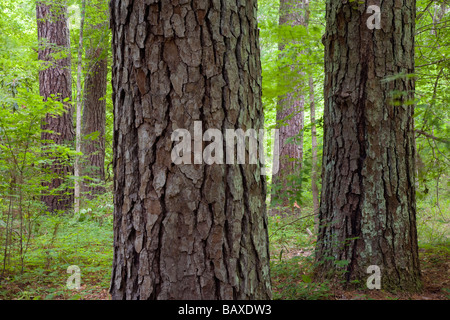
(94,121)
(186,231)
(368,208)
(290,112)
(94,112)
(55,79)
(77,189)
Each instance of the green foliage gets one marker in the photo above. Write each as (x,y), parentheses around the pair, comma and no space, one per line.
(289,56)
(301,54)
(293,281)
(432,121)
(432,222)
(433,99)
(22,155)
(59,242)
(292,259)
(21,158)
(36,248)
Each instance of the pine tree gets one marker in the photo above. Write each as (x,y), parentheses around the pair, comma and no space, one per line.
(186,231)
(368,206)
(55,80)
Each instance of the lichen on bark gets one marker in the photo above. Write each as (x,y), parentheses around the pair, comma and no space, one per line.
(368,211)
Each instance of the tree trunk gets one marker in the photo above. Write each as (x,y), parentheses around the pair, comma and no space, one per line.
(94,112)
(314,188)
(290,113)
(186,231)
(94,121)
(77,189)
(55,79)
(368,208)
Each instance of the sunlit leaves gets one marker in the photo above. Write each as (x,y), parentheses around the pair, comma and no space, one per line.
(432,92)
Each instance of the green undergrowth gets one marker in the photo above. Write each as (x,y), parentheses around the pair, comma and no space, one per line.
(292,251)
(433,221)
(57,243)
(292,257)
(86,241)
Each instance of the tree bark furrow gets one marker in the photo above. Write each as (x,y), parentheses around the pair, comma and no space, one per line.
(55,80)
(369,148)
(193,217)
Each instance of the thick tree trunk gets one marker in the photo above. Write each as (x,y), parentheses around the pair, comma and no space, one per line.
(186,231)
(368,209)
(290,113)
(55,79)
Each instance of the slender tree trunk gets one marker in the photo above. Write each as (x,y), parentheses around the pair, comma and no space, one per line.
(94,112)
(55,79)
(186,231)
(77,189)
(94,121)
(314,188)
(290,113)
(368,207)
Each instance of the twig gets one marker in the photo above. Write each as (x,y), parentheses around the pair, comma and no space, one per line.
(421,132)
(310,215)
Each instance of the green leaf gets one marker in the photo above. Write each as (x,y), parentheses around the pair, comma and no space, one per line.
(306,278)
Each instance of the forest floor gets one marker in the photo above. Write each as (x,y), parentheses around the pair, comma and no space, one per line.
(292,263)
(435,268)
(434,264)
(87,244)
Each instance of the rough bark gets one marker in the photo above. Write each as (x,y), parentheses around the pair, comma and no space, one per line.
(368,209)
(290,113)
(94,114)
(186,231)
(55,79)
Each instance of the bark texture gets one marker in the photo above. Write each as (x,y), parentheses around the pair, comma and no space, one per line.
(368,207)
(95,86)
(94,121)
(290,113)
(186,231)
(55,79)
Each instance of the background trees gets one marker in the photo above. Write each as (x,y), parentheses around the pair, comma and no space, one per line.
(95,87)
(368,205)
(290,110)
(55,80)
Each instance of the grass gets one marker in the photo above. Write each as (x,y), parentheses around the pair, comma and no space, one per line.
(292,263)
(60,242)
(292,258)
(433,223)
